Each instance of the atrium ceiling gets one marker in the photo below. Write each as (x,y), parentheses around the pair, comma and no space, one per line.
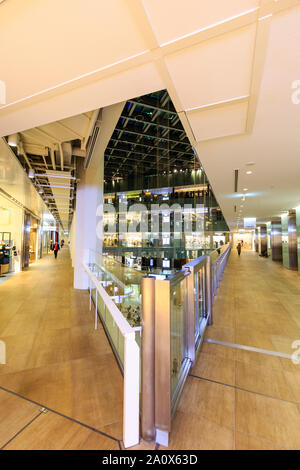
(148,139)
(229,69)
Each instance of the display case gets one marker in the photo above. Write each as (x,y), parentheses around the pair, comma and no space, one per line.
(5,256)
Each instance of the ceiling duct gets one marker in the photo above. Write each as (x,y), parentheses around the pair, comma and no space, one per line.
(67,152)
(78,152)
(93,140)
(236,180)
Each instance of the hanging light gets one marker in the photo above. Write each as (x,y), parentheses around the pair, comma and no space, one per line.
(13,140)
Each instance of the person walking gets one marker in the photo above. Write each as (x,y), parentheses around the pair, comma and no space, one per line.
(55,249)
(239,248)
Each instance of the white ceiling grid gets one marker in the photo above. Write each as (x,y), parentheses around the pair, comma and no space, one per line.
(228,67)
(61,191)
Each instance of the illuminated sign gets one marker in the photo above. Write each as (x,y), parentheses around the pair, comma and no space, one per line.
(249,222)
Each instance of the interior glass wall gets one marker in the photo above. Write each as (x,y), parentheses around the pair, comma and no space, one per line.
(160,210)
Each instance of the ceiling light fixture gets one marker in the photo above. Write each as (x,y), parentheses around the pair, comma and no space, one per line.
(213,25)
(264,17)
(48,175)
(13,140)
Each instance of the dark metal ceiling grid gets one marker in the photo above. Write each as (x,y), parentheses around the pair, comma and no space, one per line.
(148,138)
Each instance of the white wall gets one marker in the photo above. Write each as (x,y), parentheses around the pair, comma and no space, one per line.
(72,235)
(15,182)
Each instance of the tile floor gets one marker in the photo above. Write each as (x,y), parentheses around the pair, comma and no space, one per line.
(233,399)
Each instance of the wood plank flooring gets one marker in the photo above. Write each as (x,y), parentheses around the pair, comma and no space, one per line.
(56,359)
(237,399)
(233,399)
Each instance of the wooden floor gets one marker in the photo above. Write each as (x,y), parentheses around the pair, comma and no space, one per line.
(233,399)
(57,360)
(236,399)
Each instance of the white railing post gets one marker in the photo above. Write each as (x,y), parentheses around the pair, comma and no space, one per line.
(131,407)
(90,289)
(96,311)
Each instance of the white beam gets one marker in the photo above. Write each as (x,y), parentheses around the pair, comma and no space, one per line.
(61,157)
(52,158)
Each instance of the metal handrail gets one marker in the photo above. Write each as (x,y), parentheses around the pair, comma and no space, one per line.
(218,251)
(202,277)
(218,268)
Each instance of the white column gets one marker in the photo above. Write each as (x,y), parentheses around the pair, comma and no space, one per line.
(89,198)
(89,195)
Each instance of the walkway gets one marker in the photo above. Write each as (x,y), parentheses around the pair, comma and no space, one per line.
(237,399)
(56,360)
(233,399)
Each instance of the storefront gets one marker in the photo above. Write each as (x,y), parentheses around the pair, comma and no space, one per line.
(23,239)
(246,238)
(11,220)
(48,234)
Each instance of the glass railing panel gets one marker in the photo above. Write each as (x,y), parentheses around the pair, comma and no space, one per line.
(178,331)
(201,293)
(123,286)
(120,333)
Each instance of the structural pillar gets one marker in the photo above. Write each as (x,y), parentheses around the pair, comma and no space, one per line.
(89,196)
(289,240)
(263,240)
(276,242)
(298,235)
(292,234)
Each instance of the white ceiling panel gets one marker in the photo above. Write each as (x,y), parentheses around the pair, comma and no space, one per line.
(45,44)
(172,19)
(58,132)
(62,40)
(214,70)
(274,144)
(78,123)
(222,121)
(119,87)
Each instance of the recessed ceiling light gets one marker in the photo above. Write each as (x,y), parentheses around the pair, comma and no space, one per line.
(245,189)
(249,172)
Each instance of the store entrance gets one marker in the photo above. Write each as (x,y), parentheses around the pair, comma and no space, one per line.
(30,240)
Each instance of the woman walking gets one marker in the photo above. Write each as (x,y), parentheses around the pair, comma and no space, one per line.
(55,249)
(239,248)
